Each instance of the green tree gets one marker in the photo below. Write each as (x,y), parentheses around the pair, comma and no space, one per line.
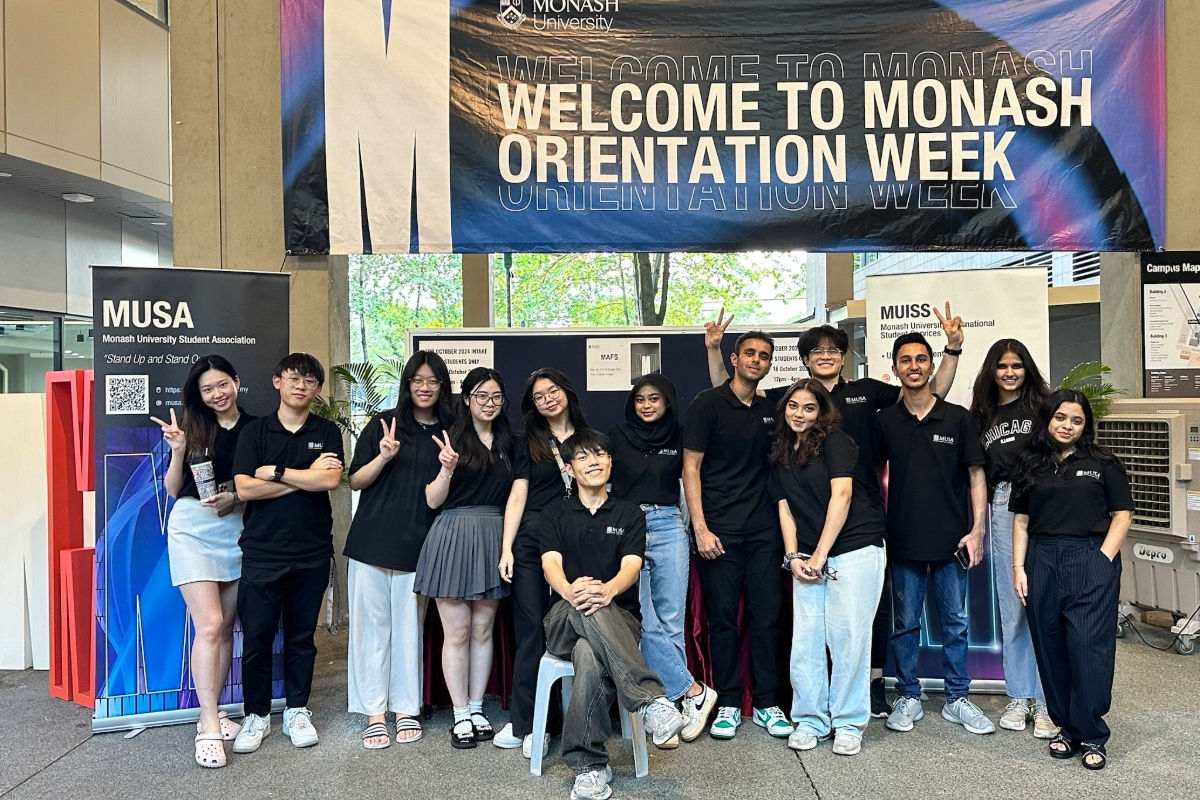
(391,293)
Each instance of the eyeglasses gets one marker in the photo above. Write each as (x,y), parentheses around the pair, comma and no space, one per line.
(826,351)
(431,383)
(483,398)
(544,397)
(295,382)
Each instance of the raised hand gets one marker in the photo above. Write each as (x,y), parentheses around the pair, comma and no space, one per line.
(447,456)
(952,326)
(714,331)
(172,433)
(388,446)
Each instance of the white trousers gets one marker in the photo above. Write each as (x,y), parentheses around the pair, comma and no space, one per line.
(384,664)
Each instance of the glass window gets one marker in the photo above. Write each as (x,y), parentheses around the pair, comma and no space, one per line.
(33,343)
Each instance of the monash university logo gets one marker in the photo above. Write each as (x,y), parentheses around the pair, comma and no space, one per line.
(510,15)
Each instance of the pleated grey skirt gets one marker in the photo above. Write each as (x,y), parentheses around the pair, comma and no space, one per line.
(459,558)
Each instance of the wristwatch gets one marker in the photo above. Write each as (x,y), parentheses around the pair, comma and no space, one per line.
(788,558)
(950,351)
(278,476)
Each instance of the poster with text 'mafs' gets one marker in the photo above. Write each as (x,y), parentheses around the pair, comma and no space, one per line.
(151,325)
(710,125)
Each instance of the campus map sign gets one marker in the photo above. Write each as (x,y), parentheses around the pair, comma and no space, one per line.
(709,125)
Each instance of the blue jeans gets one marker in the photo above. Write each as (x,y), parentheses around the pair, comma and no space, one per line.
(909,579)
(836,614)
(1020,667)
(663,590)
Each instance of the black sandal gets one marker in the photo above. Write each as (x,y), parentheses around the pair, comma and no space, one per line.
(1094,751)
(483,728)
(1065,749)
(462,735)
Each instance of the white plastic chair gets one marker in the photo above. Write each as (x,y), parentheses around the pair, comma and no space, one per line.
(552,669)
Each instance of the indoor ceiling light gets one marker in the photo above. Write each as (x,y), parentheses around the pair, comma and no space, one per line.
(158,223)
(78,197)
(5,174)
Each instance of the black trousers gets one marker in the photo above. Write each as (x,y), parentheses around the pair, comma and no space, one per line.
(266,595)
(881,625)
(750,569)
(1072,611)
(530,602)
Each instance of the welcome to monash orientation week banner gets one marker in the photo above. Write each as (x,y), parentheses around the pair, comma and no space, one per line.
(717,125)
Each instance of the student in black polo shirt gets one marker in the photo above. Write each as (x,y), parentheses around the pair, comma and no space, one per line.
(823,351)
(1072,509)
(937,498)
(592,546)
(725,440)
(285,467)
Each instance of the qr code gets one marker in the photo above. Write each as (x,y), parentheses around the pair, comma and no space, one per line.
(127,394)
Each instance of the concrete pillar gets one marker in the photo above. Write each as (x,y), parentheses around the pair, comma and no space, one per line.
(478,306)
(1120,320)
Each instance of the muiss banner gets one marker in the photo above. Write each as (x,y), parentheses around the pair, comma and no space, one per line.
(835,125)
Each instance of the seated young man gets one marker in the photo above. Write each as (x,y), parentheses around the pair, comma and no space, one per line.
(592,547)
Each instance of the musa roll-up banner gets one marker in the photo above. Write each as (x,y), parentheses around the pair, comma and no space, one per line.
(709,125)
(151,325)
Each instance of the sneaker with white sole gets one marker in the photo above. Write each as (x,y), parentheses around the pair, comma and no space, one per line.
(726,724)
(527,745)
(800,739)
(1043,725)
(1016,713)
(967,714)
(905,712)
(696,711)
(592,785)
(297,726)
(846,744)
(775,721)
(505,739)
(254,730)
(879,704)
(663,721)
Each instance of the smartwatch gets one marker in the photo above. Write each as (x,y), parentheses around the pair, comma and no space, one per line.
(950,351)
(278,476)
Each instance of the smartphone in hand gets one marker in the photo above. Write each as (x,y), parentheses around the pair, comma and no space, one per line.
(963,557)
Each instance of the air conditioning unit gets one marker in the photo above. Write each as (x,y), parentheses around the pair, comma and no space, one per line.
(1159,442)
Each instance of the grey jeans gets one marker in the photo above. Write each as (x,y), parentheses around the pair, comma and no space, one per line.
(603,648)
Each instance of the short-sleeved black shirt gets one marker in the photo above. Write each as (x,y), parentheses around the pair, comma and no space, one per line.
(296,528)
(546,485)
(735,439)
(1076,498)
(224,447)
(807,491)
(392,518)
(646,476)
(1004,440)
(929,486)
(594,544)
(485,487)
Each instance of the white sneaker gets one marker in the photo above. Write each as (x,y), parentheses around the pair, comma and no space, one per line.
(663,721)
(846,744)
(1016,714)
(696,711)
(1043,725)
(527,745)
(254,730)
(297,726)
(726,724)
(505,739)
(801,739)
(905,712)
(967,714)
(592,785)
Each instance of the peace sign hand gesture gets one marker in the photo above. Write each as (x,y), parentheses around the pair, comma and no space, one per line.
(714,332)
(952,326)
(447,456)
(388,446)
(172,433)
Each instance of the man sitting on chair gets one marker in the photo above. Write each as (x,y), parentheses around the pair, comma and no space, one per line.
(592,547)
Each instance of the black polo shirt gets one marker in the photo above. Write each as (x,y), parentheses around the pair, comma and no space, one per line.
(223,448)
(392,517)
(546,485)
(488,486)
(808,492)
(929,487)
(1076,498)
(296,528)
(594,544)
(1004,440)
(646,476)
(735,439)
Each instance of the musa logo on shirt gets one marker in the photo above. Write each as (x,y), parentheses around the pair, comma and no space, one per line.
(768,420)
(854,400)
(316,445)
(612,530)
(668,451)
(940,439)
(1088,473)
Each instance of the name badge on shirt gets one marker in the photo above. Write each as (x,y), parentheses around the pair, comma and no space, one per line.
(1088,473)
(940,439)
(768,420)
(612,530)
(316,445)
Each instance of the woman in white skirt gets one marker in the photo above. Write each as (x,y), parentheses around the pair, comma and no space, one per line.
(458,561)
(396,456)
(202,537)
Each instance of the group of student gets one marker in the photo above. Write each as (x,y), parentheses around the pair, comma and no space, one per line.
(587,533)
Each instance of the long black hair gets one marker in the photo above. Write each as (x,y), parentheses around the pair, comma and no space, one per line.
(199,424)
(985,393)
(537,427)
(1041,451)
(790,449)
(473,453)
(443,410)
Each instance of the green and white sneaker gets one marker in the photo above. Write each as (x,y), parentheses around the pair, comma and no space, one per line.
(775,721)
(726,724)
